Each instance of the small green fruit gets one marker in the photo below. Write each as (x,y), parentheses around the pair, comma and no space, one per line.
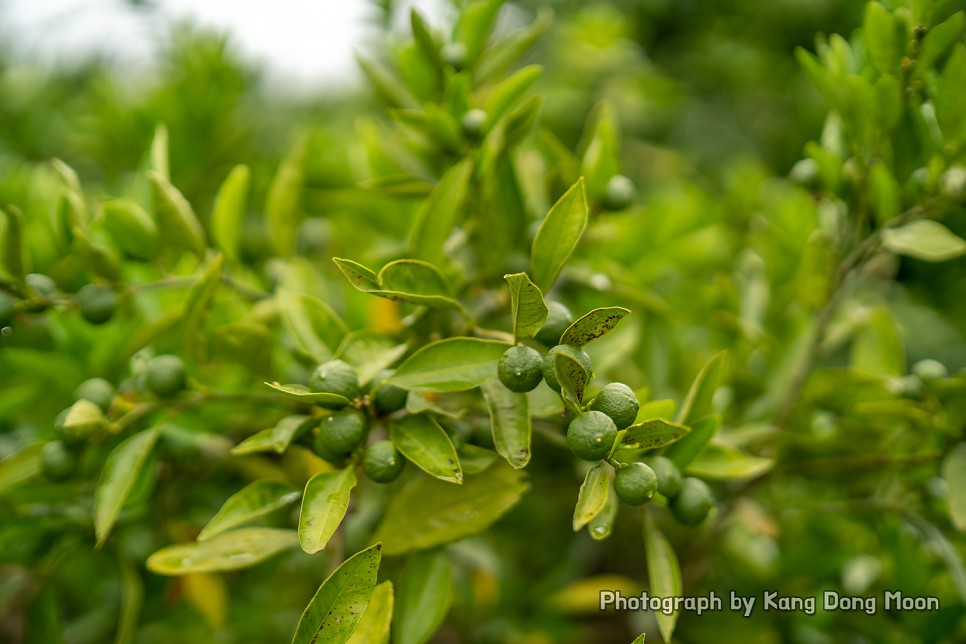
(473,122)
(454,54)
(668,476)
(635,484)
(559,319)
(930,370)
(591,435)
(97,390)
(693,502)
(618,401)
(574,352)
(165,375)
(340,433)
(6,309)
(382,462)
(56,461)
(520,369)
(619,193)
(388,398)
(97,303)
(41,284)
(335,377)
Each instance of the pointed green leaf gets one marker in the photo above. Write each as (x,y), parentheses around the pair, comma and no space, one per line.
(283,206)
(131,227)
(177,223)
(11,251)
(724,462)
(652,434)
(558,236)
(421,440)
(504,96)
(592,496)
(384,83)
(324,505)
(424,38)
(231,550)
(262,441)
(687,448)
(197,304)
(453,364)
(374,627)
(474,25)
(405,280)
(938,39)
(593,325)
(698,401)
(502,54)
(423,598)
(879,30)
(663,574)
(358,275)
(573,379)
(639,639)
(22,465)
(158,154)
(428,512)
(338,605)
(954,473)
(527,307)
(509,421)
(927,240)
(316,329)
(440,213)
(228,215)
(117,480)
(601,526)
(304,395)
(251,502)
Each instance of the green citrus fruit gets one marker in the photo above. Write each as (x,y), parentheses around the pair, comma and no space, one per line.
(574,352)
(926,369)
(618,401)
(335,377)
(591,435)
(693,501)
(6,309)
(97,390)
(340,433)
(97,303)
(56,461)
(41,284)
(559,320)
(388,398)
(635,484)
(619,193)
(382,462)
(668,476)
(520,368)
(165,375)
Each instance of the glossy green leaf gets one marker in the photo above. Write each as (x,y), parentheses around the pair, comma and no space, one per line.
(385,84)
(262,441)
(687,449)
(283,205)
(277,439)
(340,602)
(228,215)
(924,239)
(652,434)
(592,496)
(423,597)
(881,37)
(573,379)
(358,275)
(22,465)
(120,473)
(558,236)
(453,364)
(324,505)
(602,525)
(177,223)
(196,308)
(724,462)
(593,325)
(440,213)
(232,550)
(698,401)
(509,422)
(369,353)
(954,473)
(504,96)
(405,280)
(374,627)
(255,500)
(428,512)
(131,227)
(11,250)
(311,323)
(527,308)
(663,573)
(304,395)
(421,440)
(938,39)
(474,25)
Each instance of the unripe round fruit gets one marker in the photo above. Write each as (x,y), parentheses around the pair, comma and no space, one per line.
(635,484)
(389,398)
(591,435)
(574,352)
(382,462)
(473,122)
(520,369)
(6,309)
(41,284)
(619,193)
(693,502)
(97,303)
(165,375)
(559,320)
(668,476)
(340,432)
(454,54)
(97,390)
(335,377)
(618,401)
(930,369)
(56,461)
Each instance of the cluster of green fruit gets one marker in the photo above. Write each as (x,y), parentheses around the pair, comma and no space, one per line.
(96,302)
(342,432)
(593,432)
